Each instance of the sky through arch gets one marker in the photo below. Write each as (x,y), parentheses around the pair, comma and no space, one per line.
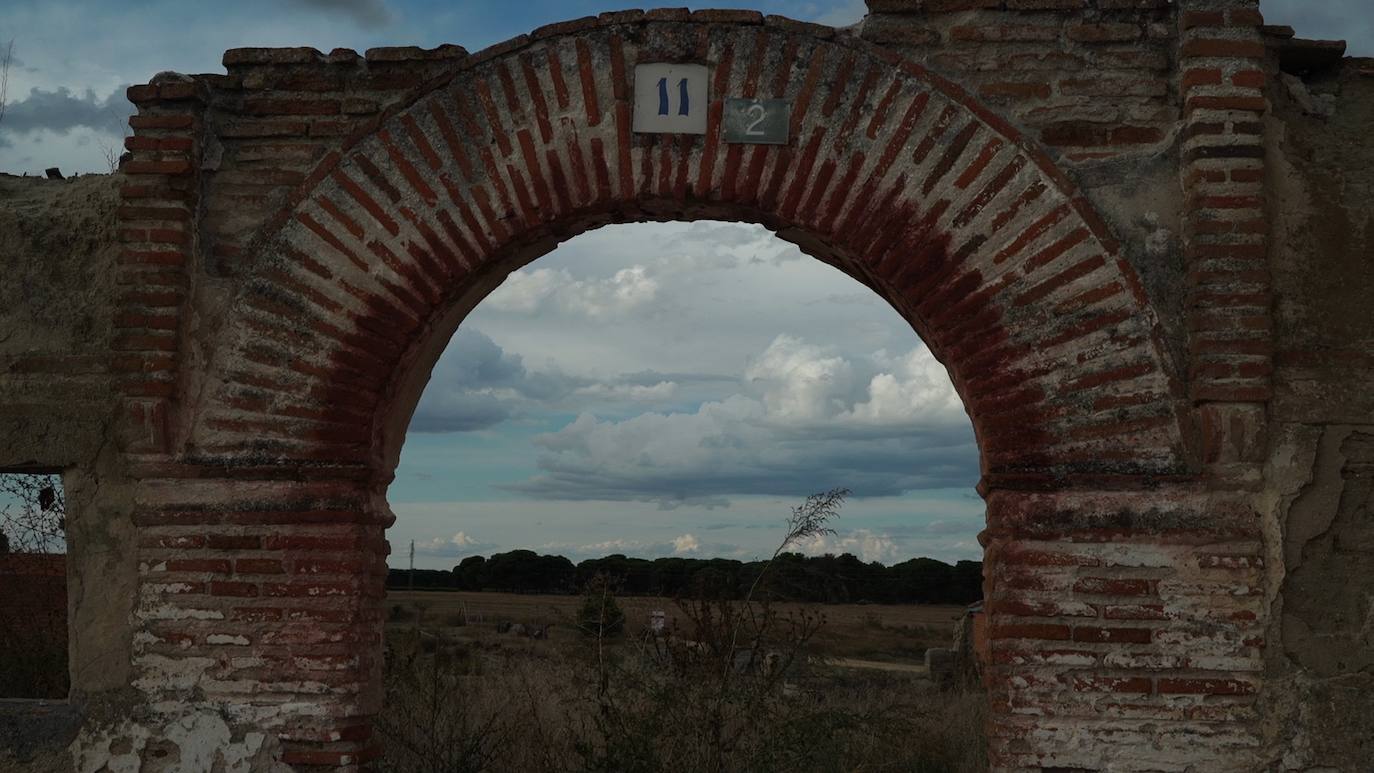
(672,389)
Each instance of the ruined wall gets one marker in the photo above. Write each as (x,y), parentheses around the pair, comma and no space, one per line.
(287,227)
(57,255)
(1096,83)
(59,357)
(1321,465)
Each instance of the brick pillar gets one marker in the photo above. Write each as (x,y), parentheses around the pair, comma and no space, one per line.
(1221,82)
(157,234)
(260,602)
(1126,629)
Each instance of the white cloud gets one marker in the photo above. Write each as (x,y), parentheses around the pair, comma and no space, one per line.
(808,419)
(531,290)
(912,390)
(800,383)
(685,543)
(460,544)
(863,543)
(804,385)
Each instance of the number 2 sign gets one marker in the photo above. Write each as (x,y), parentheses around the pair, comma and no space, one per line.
(670,98)
(757,121)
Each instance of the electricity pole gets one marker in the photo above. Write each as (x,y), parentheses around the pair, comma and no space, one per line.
(411,573)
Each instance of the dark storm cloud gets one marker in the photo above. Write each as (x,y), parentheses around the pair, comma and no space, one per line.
(62,110)
(752,461)
(477,385)
(366,13)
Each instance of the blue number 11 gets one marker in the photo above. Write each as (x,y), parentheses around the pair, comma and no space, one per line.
(683,107)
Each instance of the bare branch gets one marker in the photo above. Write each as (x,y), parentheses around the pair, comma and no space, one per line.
(5,76)
(33,513)
(111,151)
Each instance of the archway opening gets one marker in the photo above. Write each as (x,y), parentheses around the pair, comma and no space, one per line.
(635,414)
(966,228)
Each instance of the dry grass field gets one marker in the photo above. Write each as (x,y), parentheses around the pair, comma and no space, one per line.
(467,693)
(880,632)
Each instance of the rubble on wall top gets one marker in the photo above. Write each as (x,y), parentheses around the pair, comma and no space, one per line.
(1052,6)
(1299,56)
(415,53)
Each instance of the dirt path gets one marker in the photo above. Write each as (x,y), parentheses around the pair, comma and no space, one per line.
(878,665)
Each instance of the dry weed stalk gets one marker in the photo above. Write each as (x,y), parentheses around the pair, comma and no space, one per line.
(5,62)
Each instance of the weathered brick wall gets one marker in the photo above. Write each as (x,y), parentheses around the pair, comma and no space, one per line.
(1089,79)
(58,294)
(1095,265)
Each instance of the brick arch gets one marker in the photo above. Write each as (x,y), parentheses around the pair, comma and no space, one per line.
(894,175)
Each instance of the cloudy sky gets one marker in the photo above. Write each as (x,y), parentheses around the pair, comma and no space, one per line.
(653,389)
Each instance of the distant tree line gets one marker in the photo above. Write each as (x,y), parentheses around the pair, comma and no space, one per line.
(832,579)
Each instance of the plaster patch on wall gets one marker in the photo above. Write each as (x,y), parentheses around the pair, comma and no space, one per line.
(1321,686)
(200,741)
(1328,627)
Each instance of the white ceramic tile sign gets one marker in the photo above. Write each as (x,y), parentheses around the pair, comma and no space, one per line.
(670,98)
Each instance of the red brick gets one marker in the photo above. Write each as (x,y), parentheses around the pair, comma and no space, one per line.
(212,565)
(234,589)
(1112,635)
(1042,631)
(1191,19)
(1200,77)
(162,121)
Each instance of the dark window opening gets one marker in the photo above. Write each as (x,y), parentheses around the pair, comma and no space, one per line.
(33,586)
